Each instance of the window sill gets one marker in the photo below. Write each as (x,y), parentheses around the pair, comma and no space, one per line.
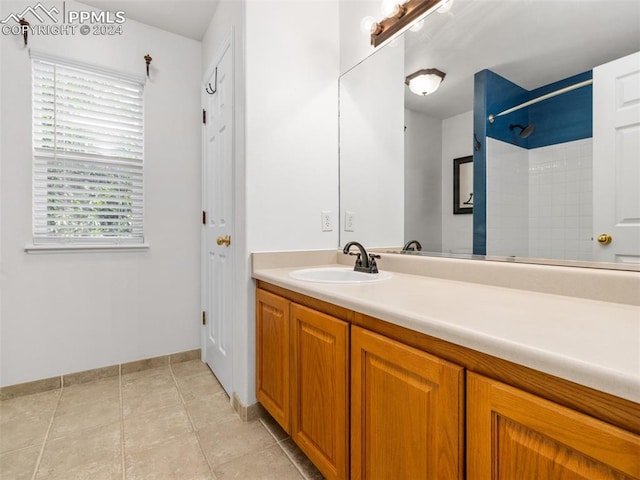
(61,248)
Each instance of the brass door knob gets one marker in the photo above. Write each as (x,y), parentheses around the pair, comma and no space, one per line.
(226,240)
(604,239)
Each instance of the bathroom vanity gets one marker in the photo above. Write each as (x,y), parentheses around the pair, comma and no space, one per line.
(424,377)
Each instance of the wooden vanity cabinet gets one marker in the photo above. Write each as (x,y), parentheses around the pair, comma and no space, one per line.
(512,434)
(320,382)
(273,356)
(302,378)
(407,407)
(406,412)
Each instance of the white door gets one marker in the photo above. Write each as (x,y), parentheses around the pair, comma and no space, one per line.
(217,203)
(616,160)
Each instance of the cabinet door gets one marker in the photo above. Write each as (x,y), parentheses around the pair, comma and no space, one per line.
(273,356)
(406,417)
(515,435)
(320,409)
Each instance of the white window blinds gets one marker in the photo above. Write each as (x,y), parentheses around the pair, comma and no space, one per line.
(87,155)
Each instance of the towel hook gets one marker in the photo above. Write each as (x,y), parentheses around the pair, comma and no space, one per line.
(209,89)
(25,30)
(147,59)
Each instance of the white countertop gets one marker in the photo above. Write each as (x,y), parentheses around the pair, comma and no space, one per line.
(593,343)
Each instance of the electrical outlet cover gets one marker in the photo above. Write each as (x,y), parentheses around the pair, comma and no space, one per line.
(327,220)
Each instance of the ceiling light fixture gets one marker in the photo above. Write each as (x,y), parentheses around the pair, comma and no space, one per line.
(402,15)
(425,81)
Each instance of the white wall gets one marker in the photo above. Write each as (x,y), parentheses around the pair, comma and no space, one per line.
(372,149)
(457,141)
(423,180)
(64,313)
(292,123)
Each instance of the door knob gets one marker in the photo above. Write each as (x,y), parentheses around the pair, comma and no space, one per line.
(604,239)
(226,240)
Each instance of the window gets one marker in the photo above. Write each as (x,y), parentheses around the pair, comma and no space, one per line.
(87,155)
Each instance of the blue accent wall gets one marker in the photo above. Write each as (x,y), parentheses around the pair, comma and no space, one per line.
(564,118)
(479,165)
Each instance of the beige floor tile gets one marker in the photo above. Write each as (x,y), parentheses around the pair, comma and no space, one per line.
(143,431)
(179,458)
(154,377)
(210,409)
(70,418)
(192,367)
(19,465)
(223,442)
(28,406)
(198,385)
(140,401)
(268,464)
(301,460)
(94,454)
(23,432)
(80,394)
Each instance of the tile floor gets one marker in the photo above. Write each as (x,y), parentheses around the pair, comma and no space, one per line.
(173,422)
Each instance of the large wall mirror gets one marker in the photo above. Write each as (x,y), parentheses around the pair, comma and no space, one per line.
(534,195)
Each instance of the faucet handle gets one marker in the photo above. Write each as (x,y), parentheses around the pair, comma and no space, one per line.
(359,259)
(373,266)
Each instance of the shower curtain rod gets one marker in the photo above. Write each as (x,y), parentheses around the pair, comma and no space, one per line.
(541,98)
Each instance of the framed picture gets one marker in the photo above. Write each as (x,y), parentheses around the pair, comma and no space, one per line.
(463,185)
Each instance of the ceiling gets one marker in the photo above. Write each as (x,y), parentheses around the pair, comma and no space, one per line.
(189,18)
(530,42)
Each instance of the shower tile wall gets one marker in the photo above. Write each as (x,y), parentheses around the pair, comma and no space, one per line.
(561,201)
(507,199)
(539,201)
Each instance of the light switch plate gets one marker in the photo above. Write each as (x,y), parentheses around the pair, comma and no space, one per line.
(349,221)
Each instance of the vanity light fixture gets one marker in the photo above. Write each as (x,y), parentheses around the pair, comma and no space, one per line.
(403,15)
(425,81)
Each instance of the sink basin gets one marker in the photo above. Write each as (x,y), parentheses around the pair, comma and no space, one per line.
(337,275)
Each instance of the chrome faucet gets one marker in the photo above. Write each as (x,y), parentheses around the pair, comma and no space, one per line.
(366,262)
(408,247)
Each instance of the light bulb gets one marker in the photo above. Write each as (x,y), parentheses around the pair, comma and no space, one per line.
(389,8)
(445,7)
(367,25)
(417,26)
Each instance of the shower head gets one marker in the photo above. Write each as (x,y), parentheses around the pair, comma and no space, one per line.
(524,131)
